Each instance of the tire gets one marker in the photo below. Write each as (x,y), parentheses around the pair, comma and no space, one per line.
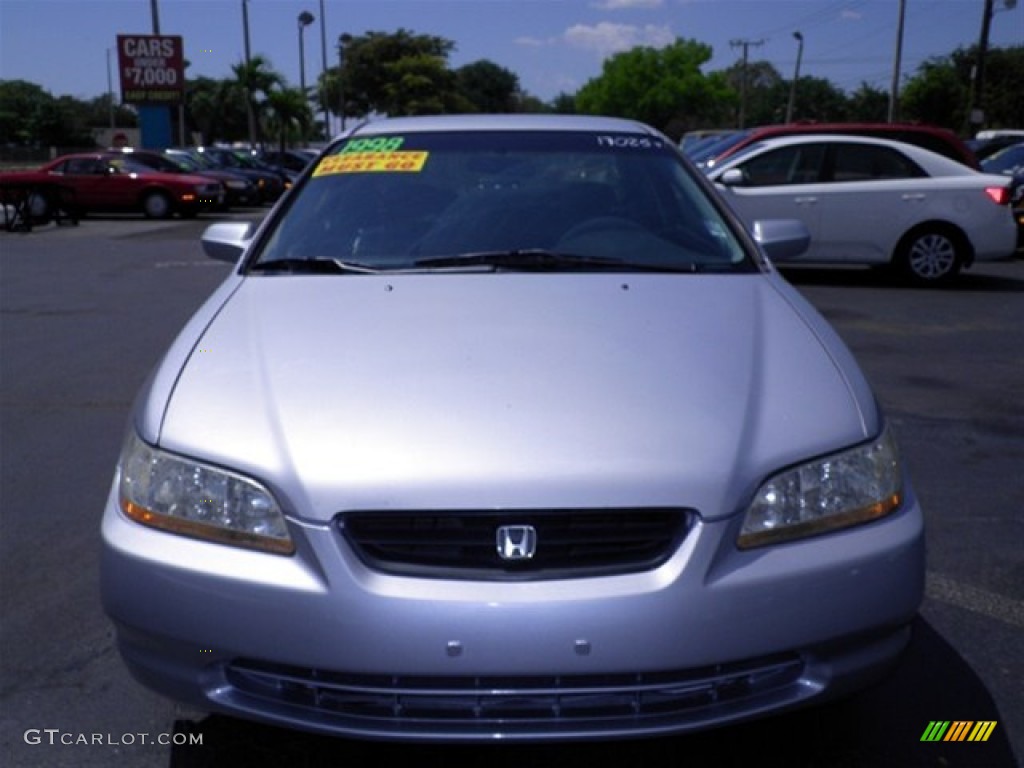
(931,256)
(157,205)
(40,208)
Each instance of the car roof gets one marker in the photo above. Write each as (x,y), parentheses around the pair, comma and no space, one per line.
(515,122)
(916,152)
(932,136)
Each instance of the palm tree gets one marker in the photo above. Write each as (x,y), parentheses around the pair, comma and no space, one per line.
(288,114)
(216,108)
(255,78)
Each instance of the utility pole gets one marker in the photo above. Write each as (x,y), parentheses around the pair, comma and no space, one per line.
(323,73)
(796,76)
(250,112)
(110,96)
(975,113)
(894,89)
(343,40)
(745,45)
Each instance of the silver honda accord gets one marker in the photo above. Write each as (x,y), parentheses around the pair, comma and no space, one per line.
(504,428)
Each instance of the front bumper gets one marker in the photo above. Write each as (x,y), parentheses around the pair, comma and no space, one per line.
(320,642)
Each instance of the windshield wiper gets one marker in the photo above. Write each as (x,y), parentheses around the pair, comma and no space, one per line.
(530,259)
(541,260)
(312,267)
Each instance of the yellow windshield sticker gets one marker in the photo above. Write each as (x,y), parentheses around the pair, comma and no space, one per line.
(372,162)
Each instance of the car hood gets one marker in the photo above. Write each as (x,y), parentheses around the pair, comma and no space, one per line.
(485,391)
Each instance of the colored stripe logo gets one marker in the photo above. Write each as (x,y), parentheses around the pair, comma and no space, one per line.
(958,730)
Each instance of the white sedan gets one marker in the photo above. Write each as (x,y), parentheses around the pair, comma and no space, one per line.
(873,201)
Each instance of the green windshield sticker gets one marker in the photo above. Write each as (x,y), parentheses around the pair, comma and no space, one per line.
(372,162)
(379,144)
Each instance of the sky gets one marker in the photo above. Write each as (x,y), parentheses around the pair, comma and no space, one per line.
(553,46)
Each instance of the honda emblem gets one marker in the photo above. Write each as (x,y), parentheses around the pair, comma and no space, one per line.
(517,542)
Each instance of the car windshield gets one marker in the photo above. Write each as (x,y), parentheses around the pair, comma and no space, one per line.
(127,164)
(199,161)
(708,153)
(528,200)
(1008,160)
(185,162)
(158,162)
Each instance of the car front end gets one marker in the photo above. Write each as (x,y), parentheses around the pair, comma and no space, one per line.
(196,194)
(451,502)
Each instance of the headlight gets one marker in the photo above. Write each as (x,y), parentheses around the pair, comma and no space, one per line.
(237,184)
(848,488)
(184,496)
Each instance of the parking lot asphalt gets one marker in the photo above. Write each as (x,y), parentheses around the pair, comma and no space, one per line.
(86,311)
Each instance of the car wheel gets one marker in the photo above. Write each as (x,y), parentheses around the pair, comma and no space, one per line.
(156,205)
(931,256)
(39,208)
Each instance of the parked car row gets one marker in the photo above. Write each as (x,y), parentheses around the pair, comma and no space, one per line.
(181,182)
(870,200)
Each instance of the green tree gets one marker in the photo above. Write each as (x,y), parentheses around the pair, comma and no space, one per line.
(868,104)
(288,115)
(420,85)
(256,78)
(1003,96)
(29,115)
(940,91)
(936,94)
(216,109)
(660,86)
(564,104)
(761,93)
(817,99)
(398,73)
(488,87)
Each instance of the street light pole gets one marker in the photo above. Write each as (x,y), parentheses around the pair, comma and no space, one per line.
(342,41)
(323,73)
(796,76)
(341,81)
(248,61)
(110,96)
(894,89)
(305,19)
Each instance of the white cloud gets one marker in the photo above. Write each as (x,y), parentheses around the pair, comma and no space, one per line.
(606,38)
(618,5)
(531,42)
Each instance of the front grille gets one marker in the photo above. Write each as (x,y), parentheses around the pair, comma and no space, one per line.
(385,704)
(464,544)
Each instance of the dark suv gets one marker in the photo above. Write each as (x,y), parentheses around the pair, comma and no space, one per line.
(939,140)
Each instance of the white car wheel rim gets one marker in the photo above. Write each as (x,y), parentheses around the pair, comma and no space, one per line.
(932,256)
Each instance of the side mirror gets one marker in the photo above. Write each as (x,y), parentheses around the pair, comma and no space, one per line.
(227,240)
(732,178)
(781,239)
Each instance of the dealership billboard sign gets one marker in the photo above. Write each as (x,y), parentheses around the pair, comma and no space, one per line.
(152,69)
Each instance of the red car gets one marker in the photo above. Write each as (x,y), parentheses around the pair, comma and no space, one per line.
(98,182)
